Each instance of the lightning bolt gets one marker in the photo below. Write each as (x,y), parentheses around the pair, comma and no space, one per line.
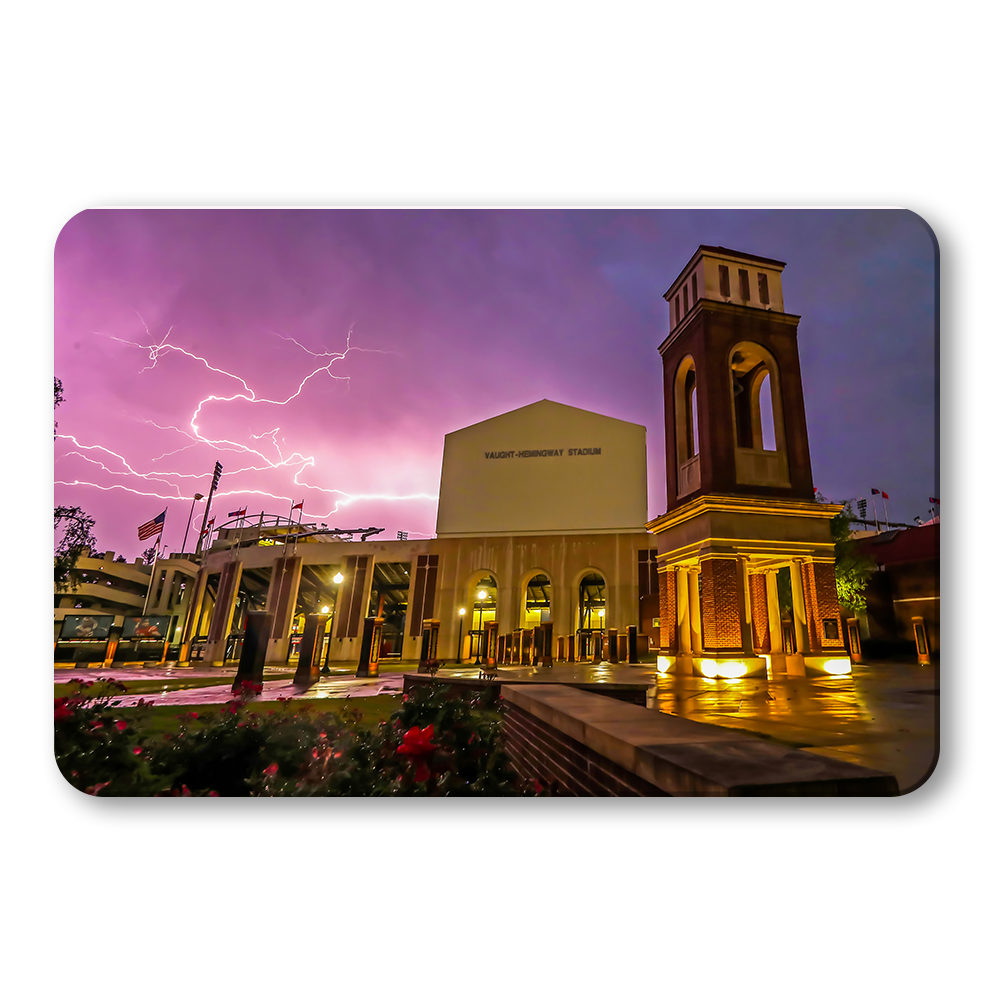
(115,465)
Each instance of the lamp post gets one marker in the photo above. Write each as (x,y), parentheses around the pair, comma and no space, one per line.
(461,618)
(197,497)
(338,580)
(479,645)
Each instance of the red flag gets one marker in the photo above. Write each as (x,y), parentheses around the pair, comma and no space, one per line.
(933,500)
(238,513)
(298,506)
(885,496)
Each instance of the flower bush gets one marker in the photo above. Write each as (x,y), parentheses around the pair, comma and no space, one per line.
(96,750)
(436,744)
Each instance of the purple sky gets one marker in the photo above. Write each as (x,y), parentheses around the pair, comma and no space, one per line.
(454,316)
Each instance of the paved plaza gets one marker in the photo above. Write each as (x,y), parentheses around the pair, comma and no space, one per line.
(882,716)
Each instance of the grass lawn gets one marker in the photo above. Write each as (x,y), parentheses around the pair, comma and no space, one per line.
(358,713)
(144,687)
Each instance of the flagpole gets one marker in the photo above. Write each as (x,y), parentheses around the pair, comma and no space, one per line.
(284,548)
(297,529)
(156,556)
(885,510)
(239,537)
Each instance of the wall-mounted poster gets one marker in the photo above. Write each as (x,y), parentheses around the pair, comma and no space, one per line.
(86,626)
(147,627)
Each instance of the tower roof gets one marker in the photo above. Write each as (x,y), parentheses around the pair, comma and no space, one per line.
(722,252)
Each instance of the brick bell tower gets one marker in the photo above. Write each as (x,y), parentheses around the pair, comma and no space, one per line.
(740,498)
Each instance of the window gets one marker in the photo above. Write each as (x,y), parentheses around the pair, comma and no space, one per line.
(724,281)
(744,285)
(685,300)
(762,289)
(677,309)
(694,288)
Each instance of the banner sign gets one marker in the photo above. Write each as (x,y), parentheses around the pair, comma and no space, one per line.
(147,627)
(86,626)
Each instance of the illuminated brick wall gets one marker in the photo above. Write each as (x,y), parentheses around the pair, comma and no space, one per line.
(720,604)
(758,612)
(668,611)
(819,587)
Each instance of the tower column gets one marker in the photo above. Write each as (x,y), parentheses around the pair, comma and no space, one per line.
(799,608)
(694,612)
(822,607)
(773,610)
(759,618)
(668,610)
(683,611)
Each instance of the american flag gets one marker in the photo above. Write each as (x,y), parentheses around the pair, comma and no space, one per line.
(153,527)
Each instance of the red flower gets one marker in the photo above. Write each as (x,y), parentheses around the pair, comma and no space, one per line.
(538,787)
(94,789)
(422,772)
(271,770)
(62,710)
(417,742)
(322,736)
(213,795)
(339,753)
(137,750)
(121,726)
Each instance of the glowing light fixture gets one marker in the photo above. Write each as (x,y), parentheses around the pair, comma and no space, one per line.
(732,669)
(663,664)
(339,578)
(326,610)
(600,612)
(461,611)
(481,595)
(839,666)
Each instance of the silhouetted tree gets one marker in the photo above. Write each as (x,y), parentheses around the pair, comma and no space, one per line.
(77,535)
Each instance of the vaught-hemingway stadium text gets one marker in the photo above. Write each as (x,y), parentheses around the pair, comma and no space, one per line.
(543,453)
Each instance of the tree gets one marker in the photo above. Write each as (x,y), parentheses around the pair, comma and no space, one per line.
(852,569)
(148,555)
(77,535)
(59,398)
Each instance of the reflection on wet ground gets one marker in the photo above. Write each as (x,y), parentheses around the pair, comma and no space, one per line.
(882,716)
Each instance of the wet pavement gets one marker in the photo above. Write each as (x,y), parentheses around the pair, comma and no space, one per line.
(883,715)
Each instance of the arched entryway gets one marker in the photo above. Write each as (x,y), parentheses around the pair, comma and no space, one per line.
(591,611)
(482,605)
(536,602)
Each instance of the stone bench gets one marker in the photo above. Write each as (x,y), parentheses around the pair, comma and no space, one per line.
(593,745)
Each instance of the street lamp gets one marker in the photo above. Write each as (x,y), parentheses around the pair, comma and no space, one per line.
(461,618)
(197,497)
(479,645)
